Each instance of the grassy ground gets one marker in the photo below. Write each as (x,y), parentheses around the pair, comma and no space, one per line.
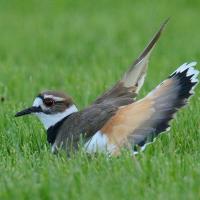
(83,47)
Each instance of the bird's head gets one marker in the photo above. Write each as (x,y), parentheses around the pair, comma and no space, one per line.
(50,107)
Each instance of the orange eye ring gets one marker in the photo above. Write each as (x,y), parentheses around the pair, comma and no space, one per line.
(48,102)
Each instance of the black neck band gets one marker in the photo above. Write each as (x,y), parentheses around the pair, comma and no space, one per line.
(52,131)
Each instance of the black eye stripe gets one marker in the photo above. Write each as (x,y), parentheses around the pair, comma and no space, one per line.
(58,102)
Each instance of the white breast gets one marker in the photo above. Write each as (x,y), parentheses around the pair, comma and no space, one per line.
(99,143)
(49,120)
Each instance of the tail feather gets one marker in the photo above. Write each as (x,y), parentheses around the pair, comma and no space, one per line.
(141,122)
(187,75)
(168,98)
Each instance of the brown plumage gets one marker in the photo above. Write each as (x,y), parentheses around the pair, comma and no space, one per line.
(93,118)
(133,124)
(116,119)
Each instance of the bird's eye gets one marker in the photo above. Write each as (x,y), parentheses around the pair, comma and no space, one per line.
(49,102)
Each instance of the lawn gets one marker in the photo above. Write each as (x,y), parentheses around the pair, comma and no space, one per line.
(83,47)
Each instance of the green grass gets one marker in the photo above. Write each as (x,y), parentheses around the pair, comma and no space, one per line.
(83,47)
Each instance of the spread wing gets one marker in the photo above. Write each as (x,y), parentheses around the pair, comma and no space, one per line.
(139,123)
(132,81)
(136,124)
(93,118)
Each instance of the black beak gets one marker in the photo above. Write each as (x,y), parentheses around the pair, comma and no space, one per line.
(28,111)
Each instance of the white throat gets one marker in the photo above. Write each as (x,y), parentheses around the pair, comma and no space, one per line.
(51,120)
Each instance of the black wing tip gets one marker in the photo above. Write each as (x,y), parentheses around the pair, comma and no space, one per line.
(187,71)
(187,76)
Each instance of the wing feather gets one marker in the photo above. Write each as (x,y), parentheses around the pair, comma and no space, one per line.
(132,81)
(140,122)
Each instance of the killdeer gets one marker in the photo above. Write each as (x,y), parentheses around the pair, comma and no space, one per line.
(116,119)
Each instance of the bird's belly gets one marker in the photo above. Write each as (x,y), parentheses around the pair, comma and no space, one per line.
(99,143)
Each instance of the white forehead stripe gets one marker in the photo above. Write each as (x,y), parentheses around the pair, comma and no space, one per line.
(37,102)
(54,97)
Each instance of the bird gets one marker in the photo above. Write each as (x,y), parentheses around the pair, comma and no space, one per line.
(116,120)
